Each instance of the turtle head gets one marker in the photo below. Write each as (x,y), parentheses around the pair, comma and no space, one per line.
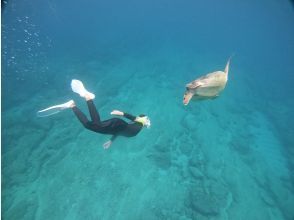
(187,96)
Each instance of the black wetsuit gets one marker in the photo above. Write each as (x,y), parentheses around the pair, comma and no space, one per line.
(114,126)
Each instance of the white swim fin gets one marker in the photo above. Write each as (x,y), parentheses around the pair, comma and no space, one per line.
(54,109)
(78,87)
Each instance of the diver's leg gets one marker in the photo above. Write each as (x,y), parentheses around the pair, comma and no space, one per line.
(78,87)
(93,111)
(81,116)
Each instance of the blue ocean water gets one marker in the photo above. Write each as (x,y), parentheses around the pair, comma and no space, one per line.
(226,158)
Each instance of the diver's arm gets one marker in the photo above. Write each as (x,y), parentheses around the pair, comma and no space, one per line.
(113,137)
(107,144)
(126,115)
(117,112)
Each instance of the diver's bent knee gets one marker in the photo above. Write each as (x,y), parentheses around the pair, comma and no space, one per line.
(88,125)
(91,126)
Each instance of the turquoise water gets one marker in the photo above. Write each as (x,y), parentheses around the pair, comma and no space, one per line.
(226,158)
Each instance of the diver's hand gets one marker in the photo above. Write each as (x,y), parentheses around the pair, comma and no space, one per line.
(107,144)
(116,112)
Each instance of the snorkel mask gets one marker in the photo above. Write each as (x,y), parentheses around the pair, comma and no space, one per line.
(144,120)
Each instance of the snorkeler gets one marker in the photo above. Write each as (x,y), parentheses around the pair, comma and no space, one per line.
(114,126)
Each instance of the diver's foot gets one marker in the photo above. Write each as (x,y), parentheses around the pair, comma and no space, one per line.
(89,96)
(69,104)
(78,87)
(55,109)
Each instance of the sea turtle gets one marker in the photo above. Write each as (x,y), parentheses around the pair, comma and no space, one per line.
(208,86)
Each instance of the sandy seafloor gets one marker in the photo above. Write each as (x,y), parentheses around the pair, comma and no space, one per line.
(227,158)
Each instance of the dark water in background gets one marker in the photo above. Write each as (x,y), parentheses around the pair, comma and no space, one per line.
(114,46)
(260,34)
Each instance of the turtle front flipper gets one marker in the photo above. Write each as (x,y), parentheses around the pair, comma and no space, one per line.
(193,85)
(209,92)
